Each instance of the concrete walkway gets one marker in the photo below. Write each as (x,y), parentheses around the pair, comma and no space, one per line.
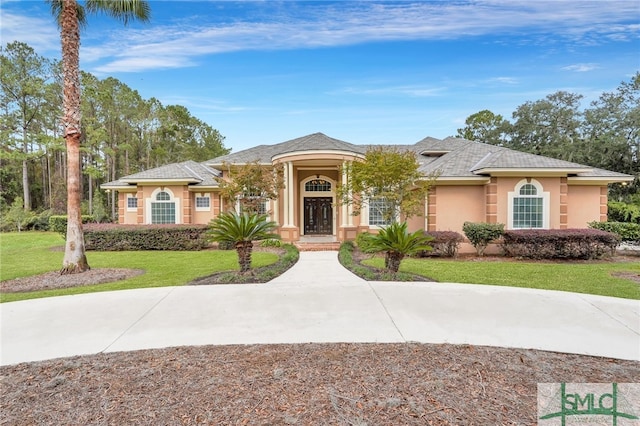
(319,301)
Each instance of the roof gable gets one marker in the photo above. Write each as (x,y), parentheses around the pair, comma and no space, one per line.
(264,153)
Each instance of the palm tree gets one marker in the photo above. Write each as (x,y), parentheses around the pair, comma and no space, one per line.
(396,242)
(241,230)
(70,16)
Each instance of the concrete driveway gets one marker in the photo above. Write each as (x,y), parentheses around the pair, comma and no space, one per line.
(319,301)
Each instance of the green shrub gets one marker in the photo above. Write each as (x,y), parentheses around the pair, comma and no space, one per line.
(226,245)
(481,234)
(16,218)
(113,237)
(618,211)
(363,242)
(628,232)
(39,222)
(271,243)
(58,223)
(444,243)
(559,243)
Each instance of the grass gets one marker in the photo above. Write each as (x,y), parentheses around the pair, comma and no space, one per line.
(30,253)
(579,277)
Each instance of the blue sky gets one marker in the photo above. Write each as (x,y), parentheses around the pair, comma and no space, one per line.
(263,72)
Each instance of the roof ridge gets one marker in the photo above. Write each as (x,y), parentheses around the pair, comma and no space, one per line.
(184,164)
(482,160)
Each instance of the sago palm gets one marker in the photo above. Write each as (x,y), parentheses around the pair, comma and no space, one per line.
(240,230)
(396,242)
(70,15)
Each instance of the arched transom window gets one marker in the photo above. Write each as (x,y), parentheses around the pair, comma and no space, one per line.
(163,209)
(529,206)
(317,185)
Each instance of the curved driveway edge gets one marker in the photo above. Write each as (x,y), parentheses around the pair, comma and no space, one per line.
(319,301)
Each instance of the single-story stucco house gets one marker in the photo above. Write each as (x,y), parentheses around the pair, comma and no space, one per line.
(476,182)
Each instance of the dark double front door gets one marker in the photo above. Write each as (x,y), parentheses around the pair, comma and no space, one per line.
(318,216)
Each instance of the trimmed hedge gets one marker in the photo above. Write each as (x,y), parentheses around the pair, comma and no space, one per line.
(559,243)
(113,237)
(623,212)
(444,243)
(58,223)
(628,232)
(481,234)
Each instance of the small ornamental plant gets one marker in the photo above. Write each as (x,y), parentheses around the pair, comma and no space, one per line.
(480,235)
(241,230)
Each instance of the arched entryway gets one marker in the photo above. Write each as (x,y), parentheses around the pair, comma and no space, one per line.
(317,201)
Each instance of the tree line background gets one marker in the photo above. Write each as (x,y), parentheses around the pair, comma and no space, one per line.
(605,135)
(124,133)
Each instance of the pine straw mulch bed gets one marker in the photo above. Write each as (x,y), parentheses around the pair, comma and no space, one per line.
(54,280)
(306,384)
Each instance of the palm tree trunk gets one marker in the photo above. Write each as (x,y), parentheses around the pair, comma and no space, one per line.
(392,261)
(244,250)
(75,260)
(26,193)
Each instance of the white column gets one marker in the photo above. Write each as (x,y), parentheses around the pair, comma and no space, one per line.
(290,189)
(285,194)
(345,211)
(426,212)
(275,215)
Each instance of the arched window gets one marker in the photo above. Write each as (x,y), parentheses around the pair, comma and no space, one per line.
(317,185)
(529,206)
(163,208)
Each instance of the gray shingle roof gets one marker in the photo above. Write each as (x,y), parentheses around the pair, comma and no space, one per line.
(198,174)
(264,153)
(468,158)
(450,157)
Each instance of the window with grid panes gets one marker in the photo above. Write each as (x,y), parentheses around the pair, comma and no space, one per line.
(163,209)
(379,212)
(528,208)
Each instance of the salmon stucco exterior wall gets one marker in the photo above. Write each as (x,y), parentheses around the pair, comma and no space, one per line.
(474,182)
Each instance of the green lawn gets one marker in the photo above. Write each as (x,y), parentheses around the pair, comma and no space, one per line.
(30,253)
(579,277)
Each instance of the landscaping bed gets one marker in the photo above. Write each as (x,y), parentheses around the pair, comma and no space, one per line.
(54,280)
(337,384)
(288,255)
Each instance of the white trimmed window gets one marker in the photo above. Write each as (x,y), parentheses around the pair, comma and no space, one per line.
(132,203)
(203,202)
(379,212)
(262,207)
(528,206)
(162,207)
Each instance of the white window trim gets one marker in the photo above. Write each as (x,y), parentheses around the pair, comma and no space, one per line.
(202,209)
(131,209)
(152,199)
(364,212)
(267,208)
(546,203)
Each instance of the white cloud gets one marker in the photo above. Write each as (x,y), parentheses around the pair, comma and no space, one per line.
(40,33)
(503,80)
(277,26)
(580,67)
(415,91)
